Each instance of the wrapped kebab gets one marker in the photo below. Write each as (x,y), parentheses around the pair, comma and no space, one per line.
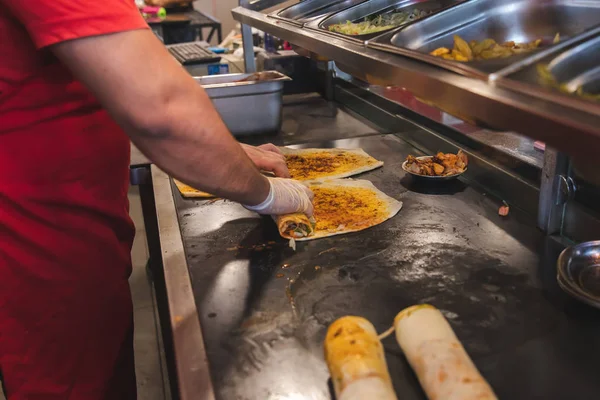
(440,361)
(356,361)
(340,206)
(295,226)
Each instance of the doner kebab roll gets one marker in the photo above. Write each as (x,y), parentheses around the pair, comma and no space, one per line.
(356,361)
(444,369)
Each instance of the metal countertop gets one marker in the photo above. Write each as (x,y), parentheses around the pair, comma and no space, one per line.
(264,308)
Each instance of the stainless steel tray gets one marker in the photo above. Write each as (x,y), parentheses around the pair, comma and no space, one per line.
(374,8)
(574,64)
(308,10)
(578,272)
(247,107)
(501,20)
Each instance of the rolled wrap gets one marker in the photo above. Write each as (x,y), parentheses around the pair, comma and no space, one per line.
(440,361)
(356,361)
(289,223)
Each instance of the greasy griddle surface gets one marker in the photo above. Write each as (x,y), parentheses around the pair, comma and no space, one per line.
(264,308)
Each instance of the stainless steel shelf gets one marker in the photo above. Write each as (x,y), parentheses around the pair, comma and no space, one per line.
(574,130)
(259,5)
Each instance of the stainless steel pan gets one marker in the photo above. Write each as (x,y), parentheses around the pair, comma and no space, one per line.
(247,107)
(501,20)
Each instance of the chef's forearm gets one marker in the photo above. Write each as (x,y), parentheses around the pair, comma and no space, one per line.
(166,114)
(184,150)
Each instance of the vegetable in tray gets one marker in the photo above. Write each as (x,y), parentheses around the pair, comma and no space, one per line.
(546,78)
(379,23)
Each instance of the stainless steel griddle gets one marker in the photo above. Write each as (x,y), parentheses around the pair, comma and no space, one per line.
(264,308)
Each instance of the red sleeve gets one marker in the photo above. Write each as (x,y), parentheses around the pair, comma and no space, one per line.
(53,21)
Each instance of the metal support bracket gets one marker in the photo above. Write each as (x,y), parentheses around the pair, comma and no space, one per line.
(566,189)
(556,189)
(248,40)
(139,175)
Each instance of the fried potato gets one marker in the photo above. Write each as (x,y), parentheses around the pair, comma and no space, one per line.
(483,45)
(463,47)
(487,49)
(440,52)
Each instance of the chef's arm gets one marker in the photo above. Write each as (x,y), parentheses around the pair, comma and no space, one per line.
(165,112)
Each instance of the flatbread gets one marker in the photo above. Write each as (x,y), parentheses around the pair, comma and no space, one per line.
(342,206)
(311,164)
(321,164)
(190,192)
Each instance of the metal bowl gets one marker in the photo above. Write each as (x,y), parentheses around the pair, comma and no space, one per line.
(578,271)
(427,177)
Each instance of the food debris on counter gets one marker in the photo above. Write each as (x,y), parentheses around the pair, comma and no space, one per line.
(328,250)
(504,210)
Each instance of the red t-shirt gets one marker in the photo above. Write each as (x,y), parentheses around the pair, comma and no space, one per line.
(63,161)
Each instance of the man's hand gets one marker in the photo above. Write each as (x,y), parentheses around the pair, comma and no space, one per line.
(286,196)
(270,147)
(268,158)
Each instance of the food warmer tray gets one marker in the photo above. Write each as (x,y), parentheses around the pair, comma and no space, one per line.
(246,107)
(577,64)
(308,10)
(374,8)
(502,20)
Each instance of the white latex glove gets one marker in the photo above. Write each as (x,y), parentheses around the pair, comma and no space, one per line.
(287,196)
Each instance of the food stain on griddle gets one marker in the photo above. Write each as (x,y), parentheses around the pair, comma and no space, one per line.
(348,273)
(328,250)
(212,315)
(279,276)
(307,274)
(290,296)
(257,247)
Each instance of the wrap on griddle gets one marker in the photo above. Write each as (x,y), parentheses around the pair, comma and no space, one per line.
(295,226)
(340,206)
(437,356)
(356,361)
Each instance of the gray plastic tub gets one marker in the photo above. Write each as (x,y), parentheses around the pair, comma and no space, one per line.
(247,107)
